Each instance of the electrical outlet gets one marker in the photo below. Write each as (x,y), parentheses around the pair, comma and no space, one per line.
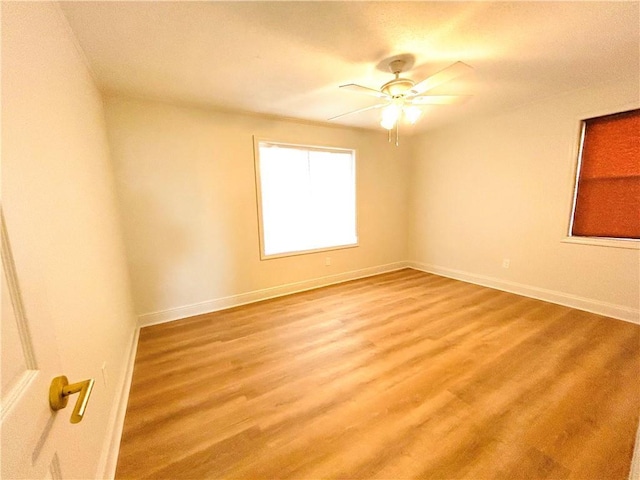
(506,263)
(327,261)
(104,373)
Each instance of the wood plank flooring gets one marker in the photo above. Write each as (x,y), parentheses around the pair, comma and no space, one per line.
(401,375)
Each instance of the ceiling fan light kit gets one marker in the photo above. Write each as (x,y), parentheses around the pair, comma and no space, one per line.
(404,97)
(412,113)
(392,113)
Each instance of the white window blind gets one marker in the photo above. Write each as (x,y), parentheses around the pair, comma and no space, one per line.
(307,198)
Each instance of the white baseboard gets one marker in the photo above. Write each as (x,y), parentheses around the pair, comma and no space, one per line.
(109,458)
(620,312)
(264,294)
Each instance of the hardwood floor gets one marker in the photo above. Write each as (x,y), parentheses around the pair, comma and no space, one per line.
(401,375)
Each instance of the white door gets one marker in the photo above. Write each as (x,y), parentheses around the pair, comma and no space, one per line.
(33,436)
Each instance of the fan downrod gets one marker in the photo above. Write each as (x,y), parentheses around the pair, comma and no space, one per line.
(397,66)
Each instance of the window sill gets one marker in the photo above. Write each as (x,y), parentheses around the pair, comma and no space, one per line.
(604,242)
(305,252)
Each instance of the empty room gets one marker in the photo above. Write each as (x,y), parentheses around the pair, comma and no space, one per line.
(323,239)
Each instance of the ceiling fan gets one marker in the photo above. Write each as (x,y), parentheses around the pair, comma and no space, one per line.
(403,97)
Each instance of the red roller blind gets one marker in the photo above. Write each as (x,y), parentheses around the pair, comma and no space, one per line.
(608,198)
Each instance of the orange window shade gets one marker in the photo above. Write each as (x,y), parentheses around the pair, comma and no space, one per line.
(608,197)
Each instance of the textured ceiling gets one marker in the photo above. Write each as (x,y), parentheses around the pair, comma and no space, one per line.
(288,58)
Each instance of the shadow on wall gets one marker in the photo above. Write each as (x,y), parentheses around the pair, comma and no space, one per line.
(179,252)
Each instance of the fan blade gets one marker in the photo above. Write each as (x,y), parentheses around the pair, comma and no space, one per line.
(449,73)
(352,87)
(378,105)
(439,99)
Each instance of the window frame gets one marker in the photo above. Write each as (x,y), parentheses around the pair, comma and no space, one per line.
(322,148)
(613,242)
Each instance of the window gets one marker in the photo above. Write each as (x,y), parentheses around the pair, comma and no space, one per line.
(306,198)
(607,197)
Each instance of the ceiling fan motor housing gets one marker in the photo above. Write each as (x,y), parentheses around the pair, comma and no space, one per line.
(398,86)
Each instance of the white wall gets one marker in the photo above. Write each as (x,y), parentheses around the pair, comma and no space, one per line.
(187,192)
(60,206)
(482,190)
(501,187)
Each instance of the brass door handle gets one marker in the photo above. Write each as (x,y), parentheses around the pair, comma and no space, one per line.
(60,390)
